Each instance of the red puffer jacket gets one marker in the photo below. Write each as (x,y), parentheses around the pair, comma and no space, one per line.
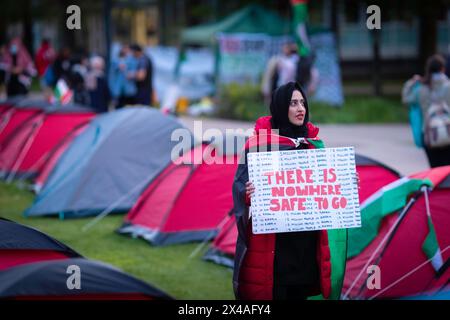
(255,273)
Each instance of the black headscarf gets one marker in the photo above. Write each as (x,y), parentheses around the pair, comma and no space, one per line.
(279,108)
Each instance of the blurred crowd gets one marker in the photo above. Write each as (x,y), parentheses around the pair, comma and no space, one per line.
(78,77)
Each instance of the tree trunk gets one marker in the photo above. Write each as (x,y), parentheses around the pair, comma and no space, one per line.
(107,7)
(68,36)
(28,27)
(428,15)
(376,64)
(334,23)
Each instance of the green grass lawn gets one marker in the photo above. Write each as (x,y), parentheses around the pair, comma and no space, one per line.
(168,268)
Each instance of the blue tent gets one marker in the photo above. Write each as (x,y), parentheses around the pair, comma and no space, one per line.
(109,164)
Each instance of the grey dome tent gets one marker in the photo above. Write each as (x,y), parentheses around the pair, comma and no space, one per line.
(109,164)
(48,280)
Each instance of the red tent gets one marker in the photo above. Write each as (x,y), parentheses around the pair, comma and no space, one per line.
(398,247)
(6,105)
(187,202)
(372,174)
(223,248)
(25,150)
(12,118)
(51,159)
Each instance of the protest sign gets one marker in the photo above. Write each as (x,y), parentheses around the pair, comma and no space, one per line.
(304,190)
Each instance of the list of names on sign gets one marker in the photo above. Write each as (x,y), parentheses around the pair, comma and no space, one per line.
(304,190)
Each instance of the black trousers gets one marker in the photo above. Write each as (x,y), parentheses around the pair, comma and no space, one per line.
(15,88)
(438,156)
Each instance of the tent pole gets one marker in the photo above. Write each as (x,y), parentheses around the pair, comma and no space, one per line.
(5,119)
(437,276)
(402,214)
(108,210)
(208,238)
(45,157)
(390,236)
(405,276)
(114,205)
(24,151)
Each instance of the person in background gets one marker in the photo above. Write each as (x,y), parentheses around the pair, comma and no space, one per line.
(123,89)
(59,69)
(306,74)
(142,76)
(270,78)
(80,65)
(447,62)
(287,67)
(432,94)
(96,85)
(19,68)
(44,57)
(287,64)
(410,97)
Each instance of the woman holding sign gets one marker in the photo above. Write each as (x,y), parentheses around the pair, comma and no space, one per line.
(290,265)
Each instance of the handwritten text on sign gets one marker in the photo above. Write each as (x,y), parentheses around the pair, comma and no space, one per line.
(304,190)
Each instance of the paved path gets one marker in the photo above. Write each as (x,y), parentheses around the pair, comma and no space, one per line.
(389,144)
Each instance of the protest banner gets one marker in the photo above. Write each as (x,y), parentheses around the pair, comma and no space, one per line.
(243,57)
(304,190)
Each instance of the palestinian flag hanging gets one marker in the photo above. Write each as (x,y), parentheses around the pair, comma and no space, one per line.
(405,233)
(431,245)
(300,18)
(385,201)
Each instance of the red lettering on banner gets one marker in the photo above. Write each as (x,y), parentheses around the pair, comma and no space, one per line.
(290,191)
(269,175)
(279,176)
(289,175)
(277,191)
(309,174)
(275,205)
(332,176)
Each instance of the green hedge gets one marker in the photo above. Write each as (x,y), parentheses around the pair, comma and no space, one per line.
(245,102)
(241,101)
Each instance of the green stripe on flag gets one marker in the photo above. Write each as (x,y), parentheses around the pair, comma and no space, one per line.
(316,143)
(337,242)
(431,247)
(386,201)
(300,17)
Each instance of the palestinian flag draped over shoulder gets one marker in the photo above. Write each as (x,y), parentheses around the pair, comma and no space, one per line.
(300,18)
